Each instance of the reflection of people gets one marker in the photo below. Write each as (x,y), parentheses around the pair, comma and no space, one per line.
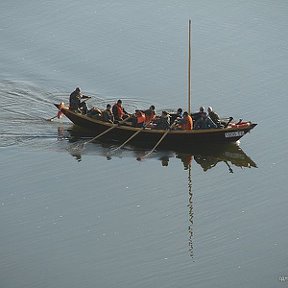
(75,101)
(164,160)
(186,159)
(206,156)
(206,162)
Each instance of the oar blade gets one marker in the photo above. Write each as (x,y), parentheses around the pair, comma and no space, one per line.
(156,145)
(76,147)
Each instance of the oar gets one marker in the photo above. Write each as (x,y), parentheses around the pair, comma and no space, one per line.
(157,144)
(123,144)
(104,132)
(51,119)
(230,119)
(85,97)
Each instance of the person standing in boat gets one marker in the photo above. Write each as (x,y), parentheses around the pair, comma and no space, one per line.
(107,114)
(118,111)
(75,101)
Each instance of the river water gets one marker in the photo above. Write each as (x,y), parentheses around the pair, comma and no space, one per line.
(86,218)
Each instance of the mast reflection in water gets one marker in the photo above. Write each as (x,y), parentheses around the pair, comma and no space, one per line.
(231,155)
(206,157)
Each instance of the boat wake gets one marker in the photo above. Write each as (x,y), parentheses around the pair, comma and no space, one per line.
(23,123)
(27,107)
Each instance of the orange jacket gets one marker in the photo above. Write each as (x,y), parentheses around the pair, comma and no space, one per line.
(140,117)
(118,111)
(187,124)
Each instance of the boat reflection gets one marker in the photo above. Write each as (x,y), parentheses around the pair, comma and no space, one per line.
(231,155)
(206,157)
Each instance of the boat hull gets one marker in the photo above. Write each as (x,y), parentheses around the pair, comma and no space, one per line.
(148,137)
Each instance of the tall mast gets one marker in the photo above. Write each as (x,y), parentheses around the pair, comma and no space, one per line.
(189,69)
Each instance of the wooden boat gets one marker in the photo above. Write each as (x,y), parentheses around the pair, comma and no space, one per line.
(171,139)
(174,139)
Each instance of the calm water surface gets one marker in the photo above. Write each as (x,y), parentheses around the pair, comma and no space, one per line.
(85,218)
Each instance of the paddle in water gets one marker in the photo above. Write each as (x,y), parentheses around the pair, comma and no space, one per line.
(123,144)
(51,119)
(157,144)
(60,114)
(81,146)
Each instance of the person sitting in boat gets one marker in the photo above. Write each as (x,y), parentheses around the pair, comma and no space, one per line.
(176,116)
(200,114)
(150,115)
(138,119)
(75,103)
(162,122)
(94,112)
(186,122)
(214,117)
(119,112)
(107,114)
(203,121)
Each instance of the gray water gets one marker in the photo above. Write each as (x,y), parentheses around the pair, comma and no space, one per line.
(84,219)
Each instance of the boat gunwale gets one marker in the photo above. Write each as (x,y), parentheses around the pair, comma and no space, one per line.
(66,110)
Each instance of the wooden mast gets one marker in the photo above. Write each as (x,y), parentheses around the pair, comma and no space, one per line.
(190,164)
(189,68)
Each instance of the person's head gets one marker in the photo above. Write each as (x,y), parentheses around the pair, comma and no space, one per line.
(201,109)
(179,111)
(209,109)
(108,106)
(152,107)
(185,114)
(119,102)
(77,89)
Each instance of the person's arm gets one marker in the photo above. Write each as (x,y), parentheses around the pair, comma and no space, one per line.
(85,97)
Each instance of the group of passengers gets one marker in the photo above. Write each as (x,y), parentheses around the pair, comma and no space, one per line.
(206,120)
(147,118)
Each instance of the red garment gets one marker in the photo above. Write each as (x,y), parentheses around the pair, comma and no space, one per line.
(141,118)
(119,111)
(188,123)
